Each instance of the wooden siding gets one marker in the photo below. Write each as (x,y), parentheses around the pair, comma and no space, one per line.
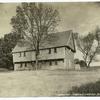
(44,55)
(63,56)
(69,59)
(21,58)
(48,64)
(21,66)
(71,42)
(55,64)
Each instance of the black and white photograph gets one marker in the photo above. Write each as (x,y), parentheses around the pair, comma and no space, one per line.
(49,49)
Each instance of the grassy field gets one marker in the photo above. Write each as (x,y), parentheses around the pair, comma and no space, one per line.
(43,82)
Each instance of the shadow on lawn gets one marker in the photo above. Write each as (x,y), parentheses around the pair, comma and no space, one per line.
(72,71)
(4,70)
(89,89)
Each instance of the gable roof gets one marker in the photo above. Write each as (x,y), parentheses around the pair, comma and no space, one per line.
(52,40)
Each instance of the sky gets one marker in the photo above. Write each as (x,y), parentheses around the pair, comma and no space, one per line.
(79,17)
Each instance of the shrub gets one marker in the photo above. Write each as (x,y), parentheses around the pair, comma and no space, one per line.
(82,63)
(90,88)
(76,61)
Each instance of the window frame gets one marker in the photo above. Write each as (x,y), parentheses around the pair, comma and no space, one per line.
(49,51)
(50,63)
(56,63)
(21,65)
(55,50)
(24,54)
(25,64)
(20,54)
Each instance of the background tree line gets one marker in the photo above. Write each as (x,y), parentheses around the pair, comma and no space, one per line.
(7,43)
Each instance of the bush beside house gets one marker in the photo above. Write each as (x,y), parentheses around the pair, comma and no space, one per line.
(79,64)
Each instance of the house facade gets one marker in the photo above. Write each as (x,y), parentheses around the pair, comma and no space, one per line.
(56,52)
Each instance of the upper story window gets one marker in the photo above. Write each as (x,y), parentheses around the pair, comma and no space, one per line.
(20,54)
(24,53)
(55,50)
(49,51)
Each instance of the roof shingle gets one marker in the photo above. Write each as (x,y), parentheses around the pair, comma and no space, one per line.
(52,40)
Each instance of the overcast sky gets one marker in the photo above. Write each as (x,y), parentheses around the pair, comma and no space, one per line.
(79,17)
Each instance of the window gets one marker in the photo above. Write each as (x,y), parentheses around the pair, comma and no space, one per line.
(25,64)
(20,54)
(49,51)
(56,63)
(21,65)
(24,53)
(55,50)
(50,63)
(39,52)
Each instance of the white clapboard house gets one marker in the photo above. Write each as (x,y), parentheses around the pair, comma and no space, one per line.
(56,52)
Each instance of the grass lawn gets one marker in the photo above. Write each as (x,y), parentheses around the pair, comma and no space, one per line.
(43,82)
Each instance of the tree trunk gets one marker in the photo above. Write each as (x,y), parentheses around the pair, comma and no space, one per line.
(86,57)
(88,65)
(37,63)
(85,60)
(91,59)
(37,55)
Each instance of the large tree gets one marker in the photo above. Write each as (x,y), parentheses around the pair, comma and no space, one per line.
(34,21)
(88,45)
